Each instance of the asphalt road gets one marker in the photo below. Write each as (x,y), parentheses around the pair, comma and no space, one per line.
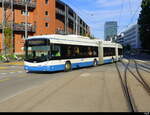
(93,89)
(14,80)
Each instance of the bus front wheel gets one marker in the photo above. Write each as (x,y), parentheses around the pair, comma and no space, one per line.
(67,66)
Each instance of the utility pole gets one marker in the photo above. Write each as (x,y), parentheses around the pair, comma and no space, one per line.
(66,20)
(26,19)
(3,27)
(76,24)
(12,25)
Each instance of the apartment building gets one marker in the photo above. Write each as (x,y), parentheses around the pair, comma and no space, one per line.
(44,17)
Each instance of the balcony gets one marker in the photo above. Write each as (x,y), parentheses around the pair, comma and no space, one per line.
(60,31)
(21,28)
(19,4)
(59,11)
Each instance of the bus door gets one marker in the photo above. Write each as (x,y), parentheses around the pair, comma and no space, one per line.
(100,52)
(116,52)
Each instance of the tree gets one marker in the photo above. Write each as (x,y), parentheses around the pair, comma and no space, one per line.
(91,36)
(144,24)
(8,40)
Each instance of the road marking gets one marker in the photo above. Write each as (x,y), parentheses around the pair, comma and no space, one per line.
(3,80)
(85,75)
(142,61)
(14,63)
(3,73)
(1,68)
(13,66)
(18,93)
(11,72)
(20,72)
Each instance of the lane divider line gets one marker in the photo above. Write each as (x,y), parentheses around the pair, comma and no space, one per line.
(6,79)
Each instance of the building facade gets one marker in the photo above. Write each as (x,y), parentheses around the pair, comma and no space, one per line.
(131,37)
(110,30)
(43,17)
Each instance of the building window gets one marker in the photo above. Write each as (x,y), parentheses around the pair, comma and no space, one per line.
(46,24)
(46,13)
(24,13)
(46,1)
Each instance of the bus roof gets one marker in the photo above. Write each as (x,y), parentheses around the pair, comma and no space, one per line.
(72,39)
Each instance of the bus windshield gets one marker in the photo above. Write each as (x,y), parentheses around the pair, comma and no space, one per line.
(37,53)
(37,50)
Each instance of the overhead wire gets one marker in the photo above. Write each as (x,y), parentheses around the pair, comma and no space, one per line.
(77,9)
(133,15)
(120,15)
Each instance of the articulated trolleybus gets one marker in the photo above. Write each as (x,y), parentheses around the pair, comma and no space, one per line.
(49,53)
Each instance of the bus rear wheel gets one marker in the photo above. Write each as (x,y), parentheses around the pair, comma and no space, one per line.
(67,66)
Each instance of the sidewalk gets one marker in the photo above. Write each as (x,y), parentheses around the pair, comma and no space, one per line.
(17,63)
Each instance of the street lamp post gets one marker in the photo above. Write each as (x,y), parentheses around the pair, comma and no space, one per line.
(26,18)
(3,27)
(76,24)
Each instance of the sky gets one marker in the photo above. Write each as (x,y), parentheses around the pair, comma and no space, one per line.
(96,12)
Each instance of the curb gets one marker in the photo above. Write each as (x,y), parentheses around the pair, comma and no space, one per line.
(125,60)
(13,63)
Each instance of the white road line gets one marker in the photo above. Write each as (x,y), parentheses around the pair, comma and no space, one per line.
(20,72)
(143,61)
(85,75)
(3,73)
(12,66)
(18,93)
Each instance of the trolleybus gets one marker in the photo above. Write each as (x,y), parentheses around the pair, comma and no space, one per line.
(51,53)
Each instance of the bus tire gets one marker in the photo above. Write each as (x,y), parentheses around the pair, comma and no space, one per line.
(68,67)
(95,63)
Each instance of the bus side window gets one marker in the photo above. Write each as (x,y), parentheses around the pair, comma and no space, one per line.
(56,51)
(69,51)
(76,51)
(90,51)
(95,52)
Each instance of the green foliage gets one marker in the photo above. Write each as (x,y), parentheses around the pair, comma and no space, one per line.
(144,24)
(7,32)
(12,57)
(8,40)
(91,37)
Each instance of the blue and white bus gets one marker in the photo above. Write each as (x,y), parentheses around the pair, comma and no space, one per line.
(51,53)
